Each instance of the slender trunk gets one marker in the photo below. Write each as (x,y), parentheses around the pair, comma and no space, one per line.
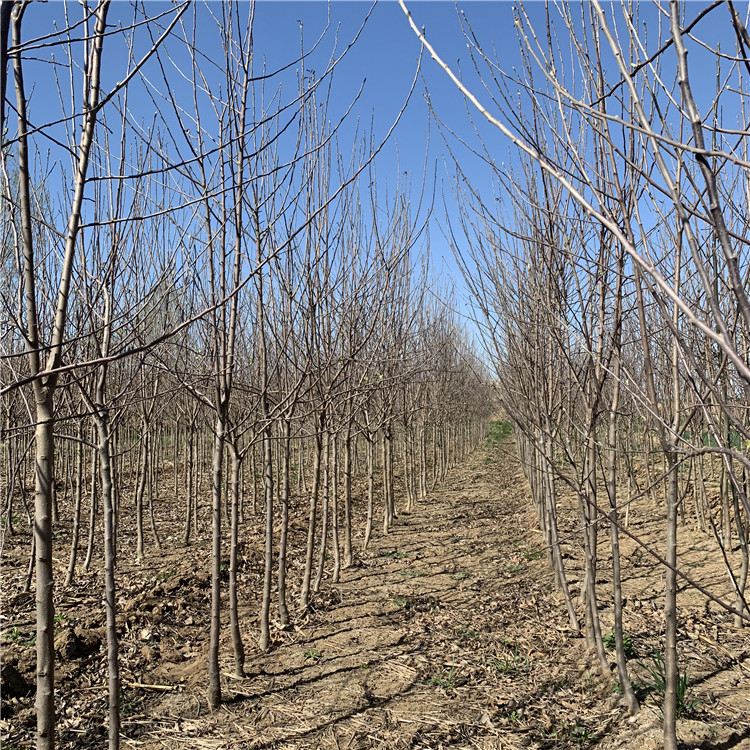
(622,667)
(304,596)
(175,461)
(141,491)
(196,484)
(407,480)
(386,502)
(284,532)
(701,499)
(324,513)
(423,462)
(434,471)
(254,473)
(348,497)
(76,508)
(45,626)
(153,490)
(559,566)
(264,641)
(234,620)
(742,533)
(370,487)
(92,513)
(670,607)
(189,489)
(214,684)
(301,478)
(335,510)
(110,593)
(10,449)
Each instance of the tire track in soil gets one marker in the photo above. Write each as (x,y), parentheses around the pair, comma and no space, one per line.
(446,633)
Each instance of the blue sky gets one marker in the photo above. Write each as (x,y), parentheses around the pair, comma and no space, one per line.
(384,58)
(383,62)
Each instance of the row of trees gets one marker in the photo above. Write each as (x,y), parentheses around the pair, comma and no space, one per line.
(612,282)
(205,298)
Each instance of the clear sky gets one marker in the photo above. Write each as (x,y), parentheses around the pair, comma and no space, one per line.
(383,62)
(386,54)
(384,59)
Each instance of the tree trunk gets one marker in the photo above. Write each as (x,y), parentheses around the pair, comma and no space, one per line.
(110,590)
(335,509)
(214,684)
(141,490)
(284,532)
(189,468)
(304,596)
(670,608)
(348,496)
(92,513)
(76,508)
(45,625)
(234,620)
(370,487)
(264,641)
(324,513)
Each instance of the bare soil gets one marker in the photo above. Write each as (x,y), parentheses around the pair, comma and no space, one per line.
(447,632)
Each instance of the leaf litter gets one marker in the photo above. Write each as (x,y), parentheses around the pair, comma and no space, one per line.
(446,632)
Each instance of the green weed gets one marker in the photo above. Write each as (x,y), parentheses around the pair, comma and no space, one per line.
(410,573)
(655,684)
(128,702)
(582,735)
(575,733)
(511,716)
(514,568)
(17,636)
(313,654)
(448,680)
(395,554)
(511,663)
(415,603)
(498,431)
(589,684)
(536,554)
(464,633)
(628,646)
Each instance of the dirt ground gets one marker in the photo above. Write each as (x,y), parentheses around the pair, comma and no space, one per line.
(446,633)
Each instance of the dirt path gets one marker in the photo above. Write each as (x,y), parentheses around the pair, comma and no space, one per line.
(446,633)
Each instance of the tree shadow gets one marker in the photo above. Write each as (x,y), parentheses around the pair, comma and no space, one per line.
(732,741)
